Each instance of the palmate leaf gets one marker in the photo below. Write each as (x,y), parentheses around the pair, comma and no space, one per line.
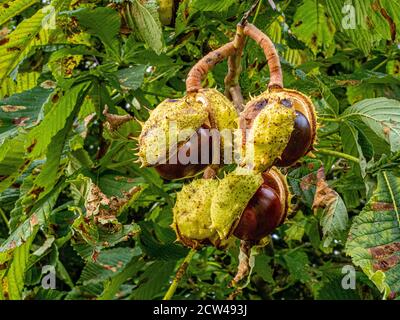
(54,121)
(211,5)
(374,238)
(147,23)
(368,28)
(104,23)
(110,270)
(22,109)
(12,163)
(13,8)
(349,136)
(29,33)
(382,115)
(13,281)
(108,264)
(24,81)
(155,277)
(38,216)
(318,34)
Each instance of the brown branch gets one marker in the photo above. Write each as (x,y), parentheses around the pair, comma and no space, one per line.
(244,267)
(201,68)
(274,64)
(232,87)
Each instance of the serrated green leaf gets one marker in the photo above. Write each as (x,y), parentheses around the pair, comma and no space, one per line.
(24,81)
(22,109)
(31,32)
(38,215)
(382,115)
(318,34)
(15,276)
(103,23)
(211,5)
(374,238)
(349,137)
(14,7)
(148,25)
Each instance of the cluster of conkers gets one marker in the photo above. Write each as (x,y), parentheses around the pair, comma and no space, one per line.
(277,128)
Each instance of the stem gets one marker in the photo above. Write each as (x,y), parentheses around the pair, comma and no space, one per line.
(330,119)
(338,155)
(274,64)
(257,12)
(205,64)
(3,215)
(179,274)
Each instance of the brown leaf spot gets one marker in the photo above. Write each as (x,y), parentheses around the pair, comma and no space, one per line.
(348,82)
(298,23)
(10,108)
(20,122)
(386,263)
(380,252)
(391,23)
(108,267)
(11,49)
(95,255)
(30,148)
(48,84)
(386,131)
(308,181)
(4,41)
(33,221)
(382,206)
(55,98)
(36,192)
(385,256)
(2,178)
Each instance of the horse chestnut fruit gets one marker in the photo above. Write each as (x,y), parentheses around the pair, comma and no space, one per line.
(281,127)
(299,142)
(178,170)
(261,215)
(171,125)
(265,211)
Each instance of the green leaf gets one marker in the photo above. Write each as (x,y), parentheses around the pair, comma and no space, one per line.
(103,23)
(211,5)
(334,220)
(55,119)
(15,276)
(318,34)
(374,238)
(108,263)
(332,289)
(382,115)
(22,109)
(349,136)
(24,81)
(38,216)
(14,7)
(298,265)
(148,24)
(31,32)
(155,277)
(131,78)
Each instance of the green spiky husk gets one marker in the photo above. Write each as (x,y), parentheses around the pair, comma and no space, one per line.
(192,221)
(268,136)
(154,140)
(234,193)
(222,111)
